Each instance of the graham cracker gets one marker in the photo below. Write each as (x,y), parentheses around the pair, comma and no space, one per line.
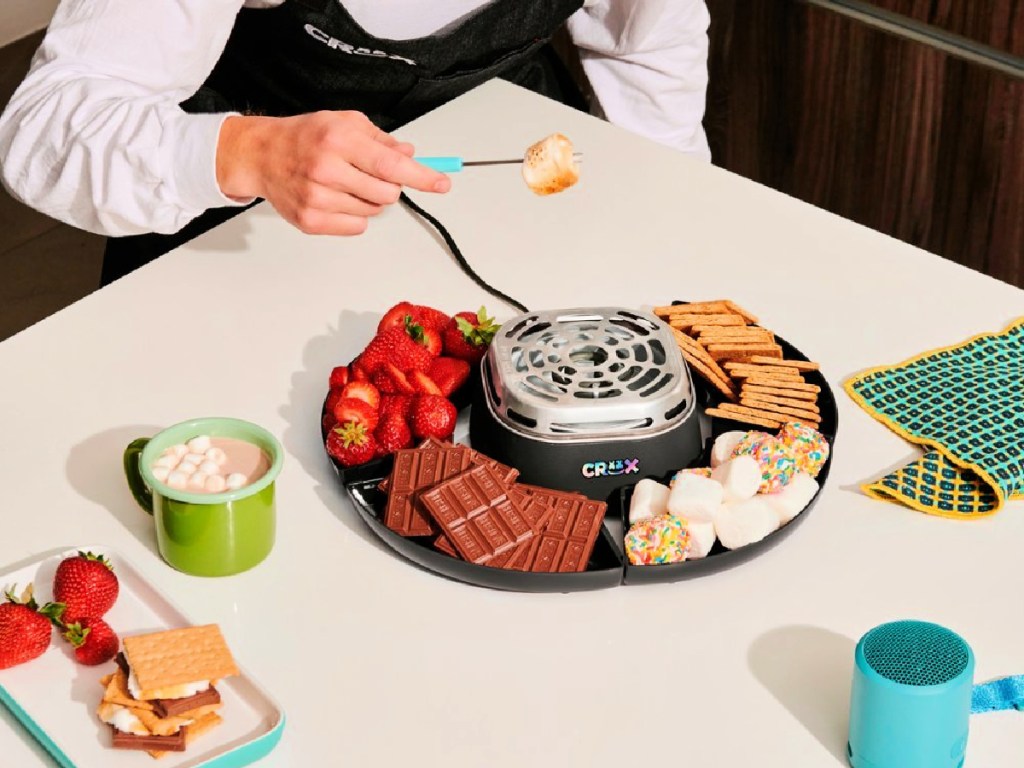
(685,322)
(806,405)
(742,352)
(117,693)
(805,415)
(744,332)
(701,361)
(746,370)
(750,317)
(756,420)
(757,413)
(166,659)
(800,365)
(759,381)
(779,390)
(693,308)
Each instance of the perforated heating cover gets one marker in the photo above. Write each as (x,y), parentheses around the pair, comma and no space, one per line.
(915,653)
(595,371)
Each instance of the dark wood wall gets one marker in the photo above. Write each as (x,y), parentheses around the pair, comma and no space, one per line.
(892,133)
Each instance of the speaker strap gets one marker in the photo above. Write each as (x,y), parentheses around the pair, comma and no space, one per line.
(995,695)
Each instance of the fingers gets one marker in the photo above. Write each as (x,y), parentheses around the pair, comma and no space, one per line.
(390,165)
(313,222)
(320,198)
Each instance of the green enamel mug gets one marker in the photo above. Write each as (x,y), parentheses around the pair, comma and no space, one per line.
(207,534)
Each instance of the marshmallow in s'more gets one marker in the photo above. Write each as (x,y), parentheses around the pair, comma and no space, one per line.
(549,165)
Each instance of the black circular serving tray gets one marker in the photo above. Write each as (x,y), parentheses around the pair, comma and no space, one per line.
(608,565)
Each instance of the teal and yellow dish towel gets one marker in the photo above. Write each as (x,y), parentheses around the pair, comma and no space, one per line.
(965,405)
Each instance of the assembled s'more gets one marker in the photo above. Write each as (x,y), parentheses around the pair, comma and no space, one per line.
(163,694)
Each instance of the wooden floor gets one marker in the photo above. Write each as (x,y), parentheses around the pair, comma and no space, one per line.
(44,265)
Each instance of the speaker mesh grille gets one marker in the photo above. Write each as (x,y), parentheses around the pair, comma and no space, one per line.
(915,653)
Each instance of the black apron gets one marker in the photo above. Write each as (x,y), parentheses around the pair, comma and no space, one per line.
(307,55)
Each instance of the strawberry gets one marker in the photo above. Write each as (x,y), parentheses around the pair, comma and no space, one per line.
(86,585)
(351,444)
(363,390)
(357,373)
(449,373)
(327,422)
(432,416)
(395,317)
(333,396)
(391,381)
(400,404)
(24,629)
(423,383)
(339,376)
(93,640)
(396,345)
(392,434)
(468,335)
(429,317)
(350,410)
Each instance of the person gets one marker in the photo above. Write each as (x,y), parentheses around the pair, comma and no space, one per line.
(150,122)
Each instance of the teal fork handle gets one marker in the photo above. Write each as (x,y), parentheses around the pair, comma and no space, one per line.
(442,164)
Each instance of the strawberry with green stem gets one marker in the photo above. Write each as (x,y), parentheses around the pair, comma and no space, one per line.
(93,640)
(25,629)
(86,585)
(468,335)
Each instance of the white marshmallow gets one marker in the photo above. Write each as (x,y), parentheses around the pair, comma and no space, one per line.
(161,473)
(695,498)
(650,499)
(217,455)
(794,497)
(216,483)
(187,467)
(236,480)
(740,477)
(724,445)
(194,458)
(702,538)
(166,460)
(209,466)
(177,450)
(745,522)
(197,481)
(199,444)
(177,479)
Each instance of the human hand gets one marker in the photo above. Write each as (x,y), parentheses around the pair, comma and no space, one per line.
(325,172)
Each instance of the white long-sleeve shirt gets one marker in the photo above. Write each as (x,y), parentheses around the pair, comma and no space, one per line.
(95,136)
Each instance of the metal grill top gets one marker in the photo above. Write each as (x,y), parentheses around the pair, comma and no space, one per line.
(596,371)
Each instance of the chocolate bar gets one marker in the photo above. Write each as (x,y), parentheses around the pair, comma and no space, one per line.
(510,473)
(173,743)
(414,470)
(568,539)
(476,514)
(175,707)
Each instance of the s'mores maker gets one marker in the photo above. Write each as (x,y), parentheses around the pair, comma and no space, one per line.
(589,399)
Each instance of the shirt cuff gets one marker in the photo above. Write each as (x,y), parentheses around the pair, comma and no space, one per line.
(195,163)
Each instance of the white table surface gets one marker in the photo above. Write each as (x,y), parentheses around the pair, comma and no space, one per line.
(380,663)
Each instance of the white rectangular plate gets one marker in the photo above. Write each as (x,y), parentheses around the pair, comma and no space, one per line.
(55,698)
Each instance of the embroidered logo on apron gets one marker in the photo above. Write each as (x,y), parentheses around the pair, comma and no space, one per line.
(338,45)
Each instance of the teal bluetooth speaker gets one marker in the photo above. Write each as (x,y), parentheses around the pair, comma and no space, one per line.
(911,697)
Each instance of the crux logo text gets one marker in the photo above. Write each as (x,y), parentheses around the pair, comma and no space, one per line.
(338,45)
(614,467)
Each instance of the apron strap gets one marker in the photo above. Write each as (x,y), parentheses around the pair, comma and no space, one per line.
(995,695)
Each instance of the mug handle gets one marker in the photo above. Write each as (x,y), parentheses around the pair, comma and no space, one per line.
(143,495)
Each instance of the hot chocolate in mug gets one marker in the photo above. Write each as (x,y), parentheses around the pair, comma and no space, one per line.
(208,529)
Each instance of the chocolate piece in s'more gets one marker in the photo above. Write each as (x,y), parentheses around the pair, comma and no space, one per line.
(148,743)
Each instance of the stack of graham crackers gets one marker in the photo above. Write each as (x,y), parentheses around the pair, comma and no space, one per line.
(742,361)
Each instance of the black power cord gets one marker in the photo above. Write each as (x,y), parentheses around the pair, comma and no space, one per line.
(459,258)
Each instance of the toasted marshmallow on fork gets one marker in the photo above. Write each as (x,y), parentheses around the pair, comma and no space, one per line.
(549,165)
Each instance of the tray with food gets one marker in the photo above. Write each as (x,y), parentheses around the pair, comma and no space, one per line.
(102,670)
(606,445)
